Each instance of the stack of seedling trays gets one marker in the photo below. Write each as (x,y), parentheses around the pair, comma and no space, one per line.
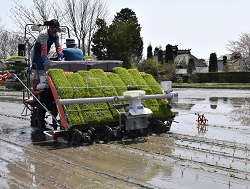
(16,65)
(97,83)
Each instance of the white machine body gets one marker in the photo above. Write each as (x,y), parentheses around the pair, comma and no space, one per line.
(42,85)
(136,114)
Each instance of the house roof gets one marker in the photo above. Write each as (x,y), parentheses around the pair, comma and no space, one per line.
(181,61)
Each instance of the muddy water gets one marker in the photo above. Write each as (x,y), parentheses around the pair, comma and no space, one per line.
(224,141)
(213,156)
(227,111)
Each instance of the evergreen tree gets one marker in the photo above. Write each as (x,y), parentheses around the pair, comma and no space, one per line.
(169,56)
(213,65)
(191,66)
(120,44)
(224,60)
(156,50)
(121,40)
(160,56)
(125,25)
(100,40)
(149,52)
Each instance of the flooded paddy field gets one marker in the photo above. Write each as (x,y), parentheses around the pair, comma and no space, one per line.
(215,155)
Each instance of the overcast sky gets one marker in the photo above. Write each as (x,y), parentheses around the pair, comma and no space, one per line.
(204,26)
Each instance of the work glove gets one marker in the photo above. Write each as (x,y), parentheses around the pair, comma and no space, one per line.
(45,60)
(60,57)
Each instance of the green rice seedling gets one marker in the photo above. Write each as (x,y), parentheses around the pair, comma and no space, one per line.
(74,115)
(61,83)
(196,176)
(65,91)
(107,89)
(125,77)
(157,165)
(94,88)
(156,89)
(117,83)
(80,91)
(142,85)
(201,167)
(182,172)
(229,184)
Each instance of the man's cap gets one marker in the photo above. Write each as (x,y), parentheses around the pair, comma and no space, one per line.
(70,41)
(54,22)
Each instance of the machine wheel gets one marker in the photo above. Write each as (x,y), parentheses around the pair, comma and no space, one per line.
(37,118)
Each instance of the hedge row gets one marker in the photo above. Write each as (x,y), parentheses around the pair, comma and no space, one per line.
(217,77)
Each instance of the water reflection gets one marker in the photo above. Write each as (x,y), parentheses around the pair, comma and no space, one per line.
(202,129)
(239,108)
(226,110)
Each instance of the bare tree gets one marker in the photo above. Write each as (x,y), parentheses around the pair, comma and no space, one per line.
(81,16)
(8,44)
(1,26)
(242,45)
(41,11)
(98,10)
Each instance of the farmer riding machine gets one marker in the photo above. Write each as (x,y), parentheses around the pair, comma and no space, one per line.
(97,100)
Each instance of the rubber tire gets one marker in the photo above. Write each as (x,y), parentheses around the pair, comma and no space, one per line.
(38,119)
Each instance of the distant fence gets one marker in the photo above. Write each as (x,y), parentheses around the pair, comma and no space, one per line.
(218,77)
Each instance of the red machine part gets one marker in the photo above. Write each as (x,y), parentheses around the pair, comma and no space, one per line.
(202,120)
(4,77)
(61,113)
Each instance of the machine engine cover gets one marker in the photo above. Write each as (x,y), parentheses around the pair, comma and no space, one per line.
(134,123)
